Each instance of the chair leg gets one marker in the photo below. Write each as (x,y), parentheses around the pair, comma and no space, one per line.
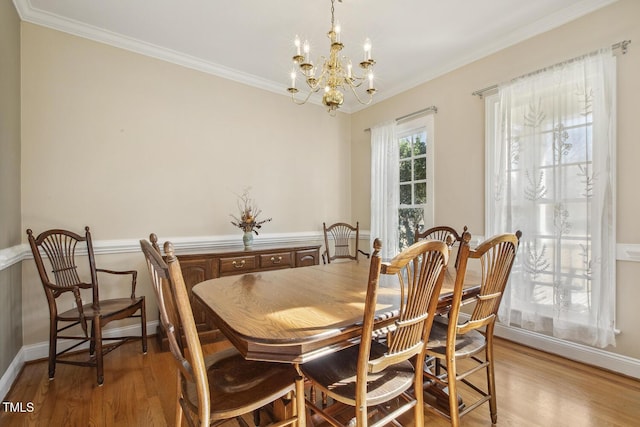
(453,391)
(97,342)
(178,405)
(53,347)
(92,342)
(419,396)
(300,404)
(143,321)
(491,380)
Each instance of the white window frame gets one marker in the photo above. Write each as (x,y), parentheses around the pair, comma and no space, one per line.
(409,127)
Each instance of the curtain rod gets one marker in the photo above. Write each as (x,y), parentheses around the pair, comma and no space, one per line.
(620,45)
(432,109)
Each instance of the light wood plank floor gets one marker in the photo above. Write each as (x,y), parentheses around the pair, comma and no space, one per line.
(534,389)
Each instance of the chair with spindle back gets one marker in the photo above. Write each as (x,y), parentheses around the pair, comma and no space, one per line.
(452,340)
(341,235)
(373,373)
(221,386)
(442,233)
(59,248)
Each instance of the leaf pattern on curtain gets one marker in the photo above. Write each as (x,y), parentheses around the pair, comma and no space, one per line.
(554,157)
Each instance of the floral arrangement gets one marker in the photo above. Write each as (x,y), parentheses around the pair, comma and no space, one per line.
(249,213)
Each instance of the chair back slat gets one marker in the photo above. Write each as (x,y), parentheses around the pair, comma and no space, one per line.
(59,247)
(443,233)
(496,260)
(341,234)
(159,272)
(496,256)
(420,272)
(177,318)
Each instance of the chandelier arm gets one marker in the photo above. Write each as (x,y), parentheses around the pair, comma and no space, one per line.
(352,83)
(319,80)
(353,90)
(298,102)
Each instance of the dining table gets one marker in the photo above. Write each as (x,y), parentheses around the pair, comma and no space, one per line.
(297,315)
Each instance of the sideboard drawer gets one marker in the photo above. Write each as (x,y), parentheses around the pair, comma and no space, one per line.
(237,265)
(274,260)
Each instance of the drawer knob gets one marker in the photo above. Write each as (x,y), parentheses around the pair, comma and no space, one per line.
(275,260)
(238,264)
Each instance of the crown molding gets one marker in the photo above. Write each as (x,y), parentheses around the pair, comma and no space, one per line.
(28,13)
(32,15)
(521,34)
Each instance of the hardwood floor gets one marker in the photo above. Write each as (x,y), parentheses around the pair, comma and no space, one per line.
(534,389)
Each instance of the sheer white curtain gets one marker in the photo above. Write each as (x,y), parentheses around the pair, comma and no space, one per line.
(553,162)
(385,182)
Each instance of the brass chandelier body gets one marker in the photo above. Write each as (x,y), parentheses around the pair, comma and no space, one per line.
(336,73)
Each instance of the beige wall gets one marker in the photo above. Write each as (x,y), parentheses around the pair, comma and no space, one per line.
(459,130)
(103,131)
(10,234)
(128,145)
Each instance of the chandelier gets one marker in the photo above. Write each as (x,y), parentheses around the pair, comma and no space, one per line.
(334,75)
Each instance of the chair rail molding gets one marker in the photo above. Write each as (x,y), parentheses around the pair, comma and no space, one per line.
(191,244)
(13,255)
(194,244)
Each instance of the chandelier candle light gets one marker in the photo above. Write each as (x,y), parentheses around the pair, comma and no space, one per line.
(336,73)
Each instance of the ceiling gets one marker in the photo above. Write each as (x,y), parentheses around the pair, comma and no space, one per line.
(251,41)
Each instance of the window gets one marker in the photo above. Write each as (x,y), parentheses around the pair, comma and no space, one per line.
(551,174)
(416,166)
(415,145)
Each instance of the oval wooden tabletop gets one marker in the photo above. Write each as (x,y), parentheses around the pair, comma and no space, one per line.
(295,307)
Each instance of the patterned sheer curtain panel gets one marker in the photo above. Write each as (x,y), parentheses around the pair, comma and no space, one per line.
(385,181)
(554,166)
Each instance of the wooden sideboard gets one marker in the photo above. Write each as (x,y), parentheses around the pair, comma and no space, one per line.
(199,267)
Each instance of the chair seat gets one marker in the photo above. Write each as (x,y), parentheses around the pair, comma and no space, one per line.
(335,374)
(238,386)
(466,345)
(107,307)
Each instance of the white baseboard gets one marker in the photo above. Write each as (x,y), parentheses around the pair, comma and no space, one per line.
(580,353)
(11,373)
(40,350)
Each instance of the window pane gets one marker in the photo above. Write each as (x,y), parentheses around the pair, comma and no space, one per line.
(421,193)
(405,148)
(420,169)
(420,144)
(408,220)
(405,171)
(405,194)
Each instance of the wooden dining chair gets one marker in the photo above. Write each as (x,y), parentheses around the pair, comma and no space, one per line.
(442,233)
(453,339)
(59,247)
(220,386)
(373,373)
(341,235)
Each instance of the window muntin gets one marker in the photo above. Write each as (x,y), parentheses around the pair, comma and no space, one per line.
(413,183)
